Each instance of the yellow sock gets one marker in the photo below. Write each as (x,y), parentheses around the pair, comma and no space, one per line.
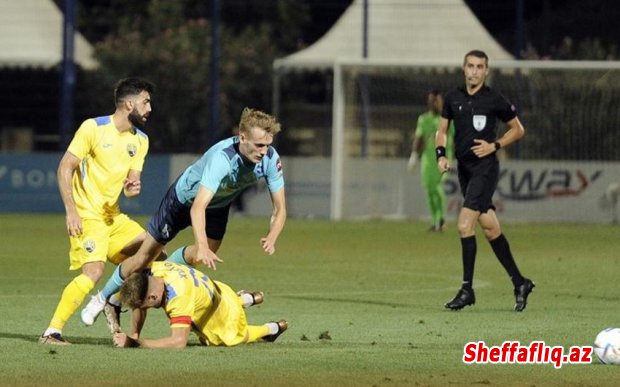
(71,298)
(257,332)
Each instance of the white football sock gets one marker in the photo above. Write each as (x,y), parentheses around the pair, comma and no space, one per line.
(247,300)
(50,331)
(273,328)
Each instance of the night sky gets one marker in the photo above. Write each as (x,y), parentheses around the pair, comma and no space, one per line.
(546,22)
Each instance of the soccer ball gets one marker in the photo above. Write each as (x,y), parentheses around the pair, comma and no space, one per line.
(607,346)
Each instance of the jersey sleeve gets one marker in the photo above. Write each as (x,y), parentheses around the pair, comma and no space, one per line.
(446,111)
(180,307)
(84,139)
(505,110)
(216,168)
(274,175)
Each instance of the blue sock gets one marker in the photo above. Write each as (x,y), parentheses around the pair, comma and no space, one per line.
(114,283)
(177,256)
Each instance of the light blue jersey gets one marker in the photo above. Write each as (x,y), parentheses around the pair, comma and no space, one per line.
(222,170)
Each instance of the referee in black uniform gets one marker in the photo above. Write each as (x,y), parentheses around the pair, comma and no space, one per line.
(475,109)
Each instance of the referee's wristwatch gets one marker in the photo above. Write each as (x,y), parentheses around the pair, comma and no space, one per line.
(497,145)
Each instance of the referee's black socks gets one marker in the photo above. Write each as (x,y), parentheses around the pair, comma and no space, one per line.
(501,248)
(469,259)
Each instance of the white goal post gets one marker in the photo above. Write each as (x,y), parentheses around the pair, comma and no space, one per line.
(595,80)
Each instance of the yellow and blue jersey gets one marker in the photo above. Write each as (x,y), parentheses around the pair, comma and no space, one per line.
(211,308)
(189,293)
(106,156)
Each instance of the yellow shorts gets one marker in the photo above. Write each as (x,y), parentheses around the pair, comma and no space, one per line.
(103,240)
(227,326)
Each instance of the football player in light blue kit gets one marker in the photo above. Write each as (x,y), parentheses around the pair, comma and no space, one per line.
(201,197)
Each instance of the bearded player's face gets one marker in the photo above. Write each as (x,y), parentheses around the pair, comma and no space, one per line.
(141,109)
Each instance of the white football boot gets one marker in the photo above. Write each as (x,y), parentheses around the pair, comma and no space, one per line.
(92,310)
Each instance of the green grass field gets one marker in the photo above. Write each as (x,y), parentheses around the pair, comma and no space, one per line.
(373,290)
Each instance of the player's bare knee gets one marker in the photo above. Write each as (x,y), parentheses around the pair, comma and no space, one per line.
(491,228)
(491,233)
(465,229)
(135,263)
(94,270)
(132,247)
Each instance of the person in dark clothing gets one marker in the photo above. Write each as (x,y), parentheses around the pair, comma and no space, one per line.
(475,109)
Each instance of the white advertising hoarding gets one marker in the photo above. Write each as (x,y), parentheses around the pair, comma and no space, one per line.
(533,191)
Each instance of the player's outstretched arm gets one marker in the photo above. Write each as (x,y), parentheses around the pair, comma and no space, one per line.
(278,219)
(199,225)
(177,339)
(138,317)
(123,340)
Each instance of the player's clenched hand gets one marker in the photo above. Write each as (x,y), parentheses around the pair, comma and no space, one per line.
(207,257)
(131,188)
(443,165)
(483,148)
(268,245)
(120,340)
(74,224)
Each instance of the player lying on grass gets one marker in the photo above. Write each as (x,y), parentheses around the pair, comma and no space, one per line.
(192,301)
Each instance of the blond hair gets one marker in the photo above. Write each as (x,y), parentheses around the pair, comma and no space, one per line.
(251,118)
(134,289)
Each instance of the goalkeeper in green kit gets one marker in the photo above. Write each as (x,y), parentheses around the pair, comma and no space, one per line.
(424,149)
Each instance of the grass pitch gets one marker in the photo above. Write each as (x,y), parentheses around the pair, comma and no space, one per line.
(364,301)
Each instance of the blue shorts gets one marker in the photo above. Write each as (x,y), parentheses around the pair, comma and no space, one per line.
(172,217)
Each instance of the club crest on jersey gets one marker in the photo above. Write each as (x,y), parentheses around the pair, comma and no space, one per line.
(479,122)
(89,246)
(131,149)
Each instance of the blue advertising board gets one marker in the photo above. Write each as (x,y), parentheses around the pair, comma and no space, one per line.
(28,184)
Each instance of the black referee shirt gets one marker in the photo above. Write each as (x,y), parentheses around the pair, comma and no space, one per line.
(475,117)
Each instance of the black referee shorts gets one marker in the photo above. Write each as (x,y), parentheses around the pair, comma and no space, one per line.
(478,179)
(172,217)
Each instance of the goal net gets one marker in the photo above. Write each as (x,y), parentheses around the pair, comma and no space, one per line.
(569,110)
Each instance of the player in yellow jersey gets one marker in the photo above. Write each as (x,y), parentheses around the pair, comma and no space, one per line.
(193,302)
(104,158)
